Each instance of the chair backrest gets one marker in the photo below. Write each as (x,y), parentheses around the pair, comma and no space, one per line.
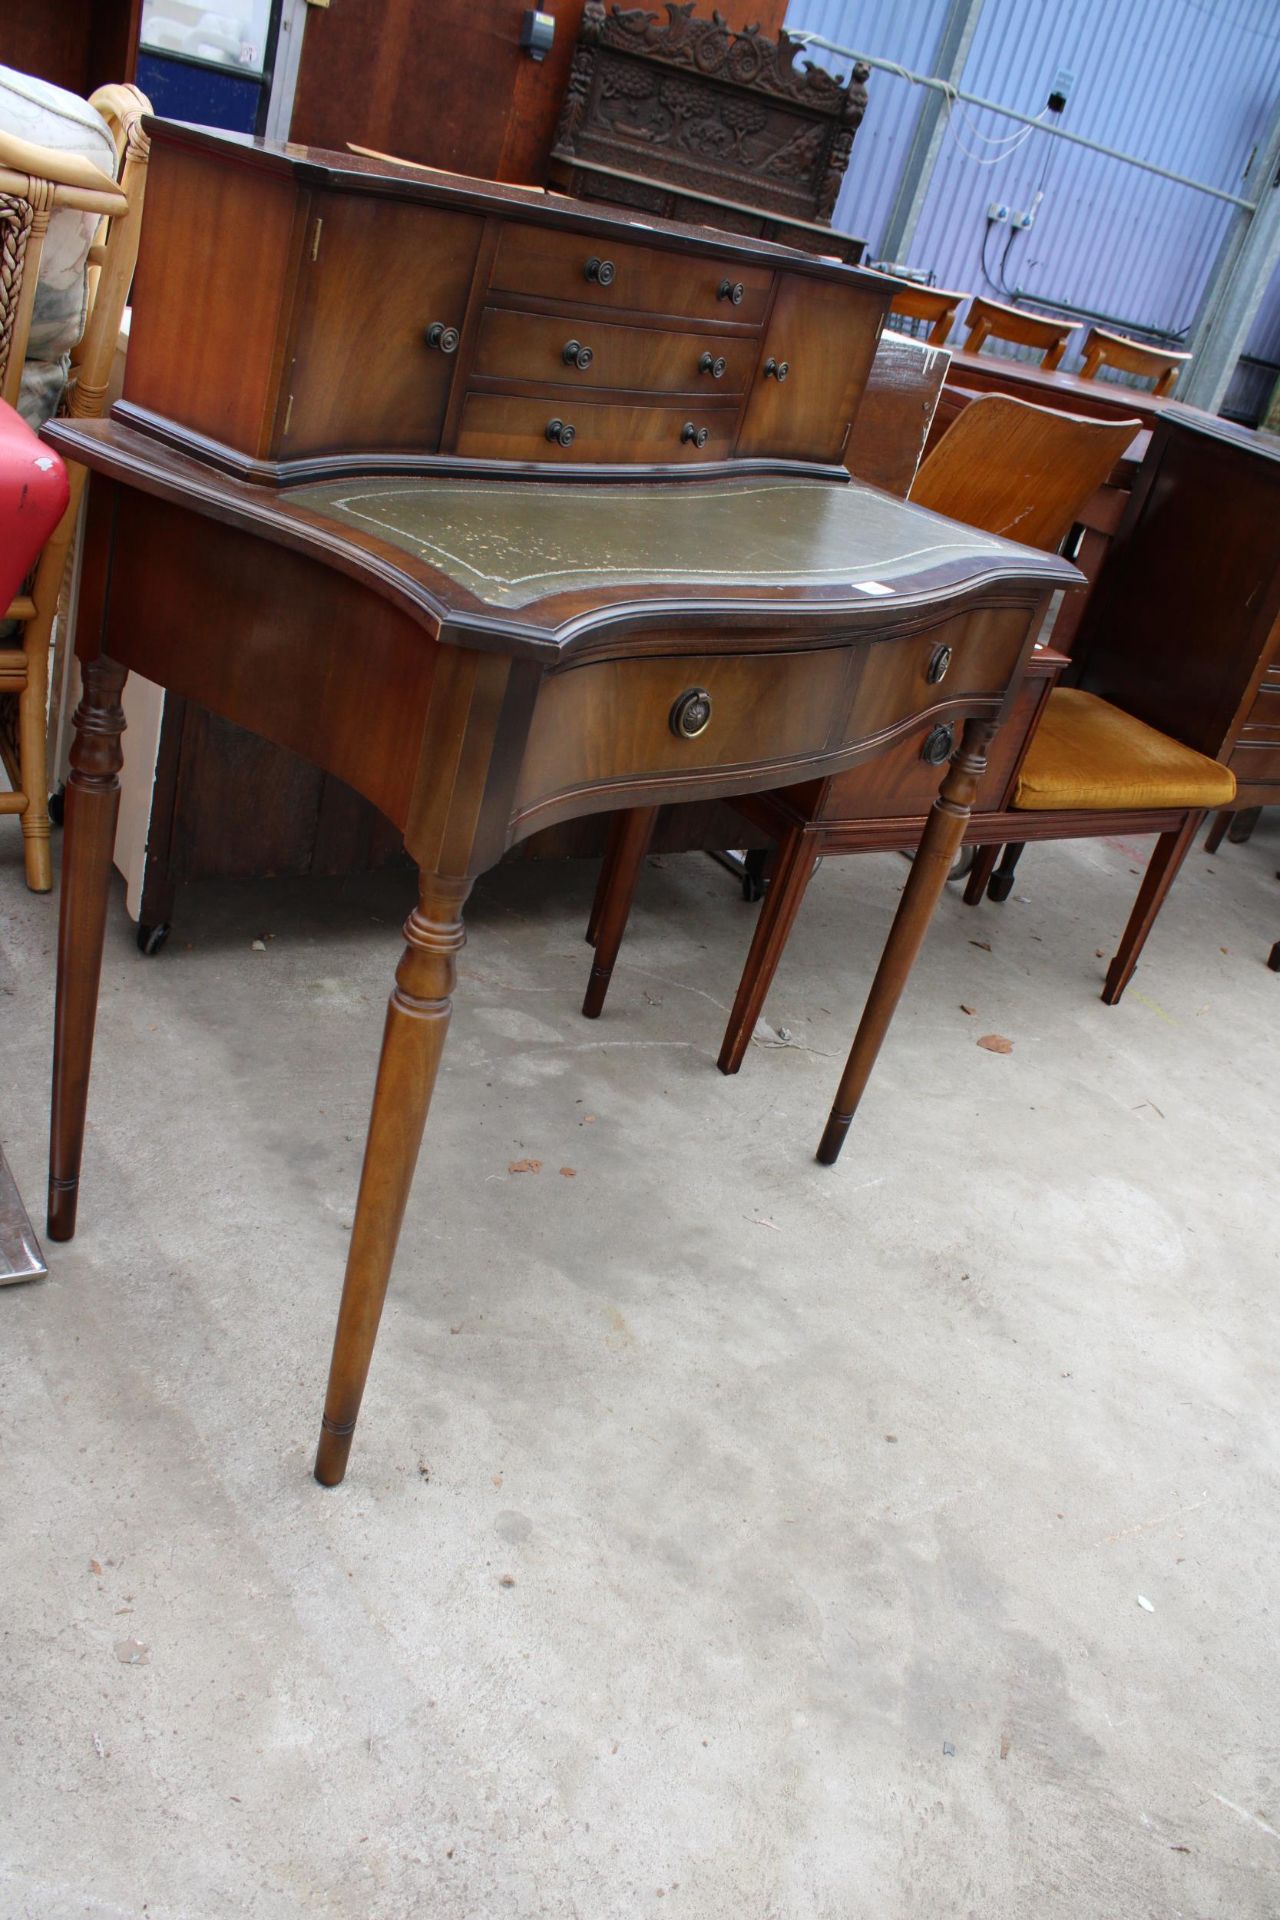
(935,304)
(69,224)
(989,320)
(1018,470)
(895,412)
(1103,349)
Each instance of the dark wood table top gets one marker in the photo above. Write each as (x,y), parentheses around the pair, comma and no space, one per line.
(1101,399)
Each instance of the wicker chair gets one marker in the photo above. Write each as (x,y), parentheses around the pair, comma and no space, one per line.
(68,244)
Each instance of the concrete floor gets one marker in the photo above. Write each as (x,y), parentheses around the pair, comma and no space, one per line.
(725,1536)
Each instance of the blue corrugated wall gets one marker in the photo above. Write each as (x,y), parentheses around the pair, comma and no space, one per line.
(1189,84)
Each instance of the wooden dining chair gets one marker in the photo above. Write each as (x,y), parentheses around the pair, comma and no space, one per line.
(1103,349)
(936,305)
(1009,468)
(69,237)
(989,320)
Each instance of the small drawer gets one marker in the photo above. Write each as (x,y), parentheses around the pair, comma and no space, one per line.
(962,661)
(616,721)
(594,353)
(495,427)
(582,270)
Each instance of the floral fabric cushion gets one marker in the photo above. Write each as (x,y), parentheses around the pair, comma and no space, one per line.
(47,116)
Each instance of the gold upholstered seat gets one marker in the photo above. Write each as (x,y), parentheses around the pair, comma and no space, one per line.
(1089,755)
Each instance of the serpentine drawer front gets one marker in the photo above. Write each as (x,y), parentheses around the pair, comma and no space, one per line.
(961,664)
(599,353)
(582,270)
(616,721)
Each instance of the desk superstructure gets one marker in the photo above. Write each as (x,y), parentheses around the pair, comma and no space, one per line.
(331,508)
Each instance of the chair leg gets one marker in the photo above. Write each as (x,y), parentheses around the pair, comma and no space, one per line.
(792,871)
(1273,958)
(628,845)
(33,720)
(1001,884)
(1241,828)
(1170,851)
(944,831)
(1221,821)
(984,859)
(93,800)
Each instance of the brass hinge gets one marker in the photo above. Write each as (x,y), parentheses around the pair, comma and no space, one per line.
(315,240)
(288,415)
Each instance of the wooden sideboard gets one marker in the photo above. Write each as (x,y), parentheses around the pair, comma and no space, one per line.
(338,518)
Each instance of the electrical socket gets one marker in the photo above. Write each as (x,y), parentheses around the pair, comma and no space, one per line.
(1023,221)
(997,212)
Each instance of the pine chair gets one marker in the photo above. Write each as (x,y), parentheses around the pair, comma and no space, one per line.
(989,320)
(69,220)
(934,304)
(1103,349)
(1009,468)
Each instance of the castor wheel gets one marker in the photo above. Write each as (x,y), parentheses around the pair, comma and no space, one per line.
(1000,886)
(57,806)
(1273,958)
(151,939)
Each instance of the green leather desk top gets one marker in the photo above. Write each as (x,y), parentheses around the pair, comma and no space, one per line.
(513,543)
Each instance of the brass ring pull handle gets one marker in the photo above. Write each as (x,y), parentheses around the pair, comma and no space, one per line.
(938,743)
(601,273)
(714,365)
(776,369)
(576,355)
(561,433)
(937,667)
(444,339)
(691,714)
(697,436)
(731,290)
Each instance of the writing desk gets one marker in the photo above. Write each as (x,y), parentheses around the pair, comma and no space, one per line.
(483,649)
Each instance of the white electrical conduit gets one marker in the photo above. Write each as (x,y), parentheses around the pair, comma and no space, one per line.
(993,106)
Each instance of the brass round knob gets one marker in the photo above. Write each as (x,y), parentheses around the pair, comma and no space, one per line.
(576,355)
(938,743)
(561,433)
(444,339)
(776,369)
(937,667)
(731,290)
(695,436)
(691,714)
(601,272)
(713,364)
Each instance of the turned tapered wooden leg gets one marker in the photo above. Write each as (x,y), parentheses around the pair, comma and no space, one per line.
(792,872)
(943,833)
(628,844)
(1171,850)
(412,1043)
(984,860)
(92,802)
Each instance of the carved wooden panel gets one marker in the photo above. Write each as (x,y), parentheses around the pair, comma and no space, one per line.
(691,108)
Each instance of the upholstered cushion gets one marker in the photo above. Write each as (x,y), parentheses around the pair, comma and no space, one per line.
(1088,754)
(47,116)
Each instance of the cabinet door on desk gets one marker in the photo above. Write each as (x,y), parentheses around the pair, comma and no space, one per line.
(820,340)
(361,372)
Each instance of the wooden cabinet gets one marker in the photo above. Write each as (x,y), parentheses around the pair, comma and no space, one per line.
(377,313)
